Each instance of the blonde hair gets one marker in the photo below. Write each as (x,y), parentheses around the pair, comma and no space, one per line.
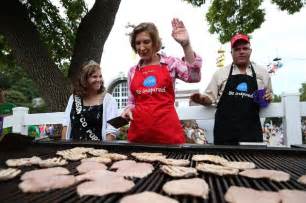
(149,28)
(89,68)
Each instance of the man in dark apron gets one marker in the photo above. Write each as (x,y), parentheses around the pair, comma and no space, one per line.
(237,116)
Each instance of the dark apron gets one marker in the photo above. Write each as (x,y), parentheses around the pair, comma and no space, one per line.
(237,116)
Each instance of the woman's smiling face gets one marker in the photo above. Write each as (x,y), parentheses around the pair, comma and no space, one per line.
(144,46)
(95,80)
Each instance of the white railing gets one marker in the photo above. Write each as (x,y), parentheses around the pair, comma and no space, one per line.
(290,109)
(21,119)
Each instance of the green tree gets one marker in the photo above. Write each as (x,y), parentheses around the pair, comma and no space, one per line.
(50,44)
(302,90)
(17,85)
(227,17)
(277,98)
(16,97)
(275,120)
(15,78)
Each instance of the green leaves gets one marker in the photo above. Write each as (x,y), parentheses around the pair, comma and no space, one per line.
(196,2)
(50,38)
(227,17)
(291,6)
(303,92)
(57,26)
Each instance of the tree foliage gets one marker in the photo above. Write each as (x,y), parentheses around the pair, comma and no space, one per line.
(244,17)
(19,88)
(303,92)
(227,17)
(291,6)
(57,30)
(16,97)
(277,98)
(48,42)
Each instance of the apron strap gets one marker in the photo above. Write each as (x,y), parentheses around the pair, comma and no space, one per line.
(253,73)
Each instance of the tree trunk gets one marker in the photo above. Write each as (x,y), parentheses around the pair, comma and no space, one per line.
(32,55)
(92,34)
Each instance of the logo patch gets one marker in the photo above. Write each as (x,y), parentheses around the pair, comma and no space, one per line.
(242,87)
(149,81)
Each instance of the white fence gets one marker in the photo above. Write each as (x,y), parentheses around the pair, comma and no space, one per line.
(290,109)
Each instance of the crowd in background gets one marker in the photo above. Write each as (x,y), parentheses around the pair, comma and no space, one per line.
(194,134)
(41,131)
(273,135)
(304,130)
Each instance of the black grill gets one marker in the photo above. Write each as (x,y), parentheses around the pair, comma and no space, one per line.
(292,161)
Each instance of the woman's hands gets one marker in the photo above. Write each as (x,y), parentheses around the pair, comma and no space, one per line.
(179,32)
(127,114)
(110,137)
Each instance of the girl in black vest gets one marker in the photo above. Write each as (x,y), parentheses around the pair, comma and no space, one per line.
(90,107)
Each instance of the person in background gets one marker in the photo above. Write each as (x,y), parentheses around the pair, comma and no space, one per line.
(189,131)
(33,131)
(89,108)
(49,130)
(199,134)
(42,130)
(151,85)
(232,89)
(304,131)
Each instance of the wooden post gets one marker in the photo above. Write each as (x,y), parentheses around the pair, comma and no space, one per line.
(292,118)
(18,117)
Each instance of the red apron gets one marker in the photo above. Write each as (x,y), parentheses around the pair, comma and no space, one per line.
(154,117)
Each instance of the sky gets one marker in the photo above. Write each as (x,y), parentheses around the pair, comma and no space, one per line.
(281,35)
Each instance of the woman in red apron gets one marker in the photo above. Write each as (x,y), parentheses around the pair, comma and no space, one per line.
(151,85)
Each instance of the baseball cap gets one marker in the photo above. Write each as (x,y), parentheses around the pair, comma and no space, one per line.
(238,37)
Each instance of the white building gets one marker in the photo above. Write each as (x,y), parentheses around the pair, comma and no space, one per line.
(119,89)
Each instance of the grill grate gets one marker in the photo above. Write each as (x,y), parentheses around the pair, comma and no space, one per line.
(290,161)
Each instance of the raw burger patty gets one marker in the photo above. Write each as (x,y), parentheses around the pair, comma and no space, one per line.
(105,184)
(90,166)
(146,197)
(194,187)
(44,173)
(265,173)
(46,183)
(247,195)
